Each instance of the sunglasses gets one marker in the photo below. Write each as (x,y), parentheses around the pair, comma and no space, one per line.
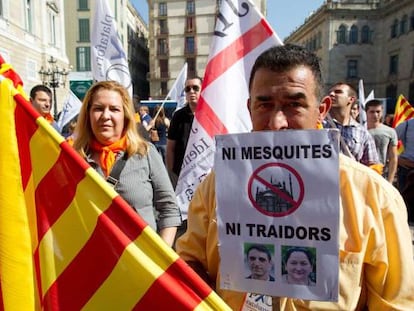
(195,88)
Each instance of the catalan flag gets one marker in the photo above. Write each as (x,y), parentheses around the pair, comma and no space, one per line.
(68,241)
(403,111)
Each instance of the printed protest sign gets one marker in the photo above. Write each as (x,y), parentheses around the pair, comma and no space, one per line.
(278,212)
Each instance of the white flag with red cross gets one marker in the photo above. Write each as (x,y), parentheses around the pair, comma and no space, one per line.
(241,35)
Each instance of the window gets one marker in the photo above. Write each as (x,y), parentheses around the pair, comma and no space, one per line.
(164,68)
(412,22)
(83,5)
(353,35)
(411,93)
(394,28)
(365,34)
(190,7)
(403,25)
(53,23)
(52,27)
(319,40)
(191,67)
(6,55)
(412,62)
(352,70)
(341,34)
(163,26)
(164,88)
(391,91)
(29,16)
(83,58)
(84,30)
(189,45)
(393,64)
(313,44)
(190,24)
(162,47)
(31,70)
(162,8)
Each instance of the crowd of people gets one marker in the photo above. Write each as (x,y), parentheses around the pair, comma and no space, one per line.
(141,154)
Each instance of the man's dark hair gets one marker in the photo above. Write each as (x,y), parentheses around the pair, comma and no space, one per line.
(194,77)
(40,88)
(352,89)
(261,248)
(283,58)
(373,103)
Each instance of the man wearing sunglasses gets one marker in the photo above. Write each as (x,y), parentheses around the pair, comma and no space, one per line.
(376,270)
(180,128)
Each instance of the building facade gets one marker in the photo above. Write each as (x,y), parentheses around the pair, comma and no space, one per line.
(31,32)
(180,31)
(371,40)
(132,31)
(138,52)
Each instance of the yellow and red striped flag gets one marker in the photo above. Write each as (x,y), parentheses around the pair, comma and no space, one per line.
(68,241)
(403,111)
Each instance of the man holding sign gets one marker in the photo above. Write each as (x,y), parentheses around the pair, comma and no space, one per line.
(376,269)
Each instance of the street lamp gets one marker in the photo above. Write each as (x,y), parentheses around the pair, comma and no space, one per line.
(53,77)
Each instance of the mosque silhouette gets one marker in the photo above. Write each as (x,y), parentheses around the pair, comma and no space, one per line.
(270,201)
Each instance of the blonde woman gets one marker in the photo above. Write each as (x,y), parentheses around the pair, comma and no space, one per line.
(106,133)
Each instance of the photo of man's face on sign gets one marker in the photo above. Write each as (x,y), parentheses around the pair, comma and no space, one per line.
(259,261)
(299,265)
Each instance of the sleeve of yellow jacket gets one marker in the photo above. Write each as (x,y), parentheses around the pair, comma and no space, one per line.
(385,238)
(376,266)
(375,232)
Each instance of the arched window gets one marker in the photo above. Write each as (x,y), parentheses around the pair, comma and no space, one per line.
(403,25)
(353,35)
(412,21)
(394,28)
(365,34)
(341,34)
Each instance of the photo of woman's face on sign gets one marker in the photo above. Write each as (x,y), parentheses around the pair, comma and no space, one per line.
(299,265)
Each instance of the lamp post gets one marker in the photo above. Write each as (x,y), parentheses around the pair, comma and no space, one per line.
(53,77)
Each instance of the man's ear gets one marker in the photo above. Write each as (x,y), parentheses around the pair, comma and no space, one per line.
(324,107)
(248,106)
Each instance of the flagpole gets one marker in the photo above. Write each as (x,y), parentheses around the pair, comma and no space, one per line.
(182,76)
(162,104)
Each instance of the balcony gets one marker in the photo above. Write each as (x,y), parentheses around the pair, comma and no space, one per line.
(158,75)
(163,52)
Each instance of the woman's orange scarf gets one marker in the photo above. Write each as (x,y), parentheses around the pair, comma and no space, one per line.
(107,153)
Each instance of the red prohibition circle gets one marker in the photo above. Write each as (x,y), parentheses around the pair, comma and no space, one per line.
(295,204)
